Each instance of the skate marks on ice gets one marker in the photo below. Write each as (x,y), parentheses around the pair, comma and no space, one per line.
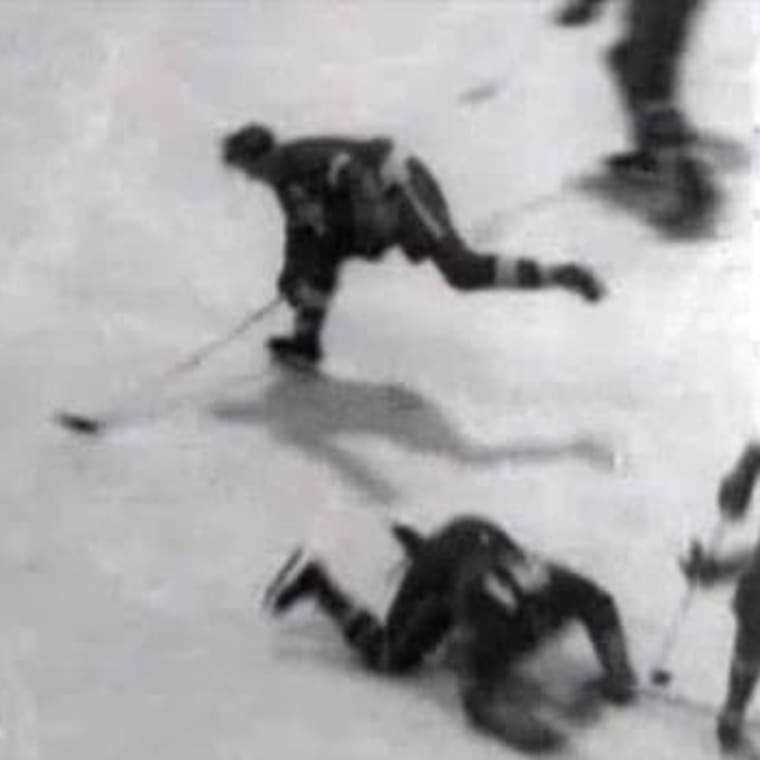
(319,414)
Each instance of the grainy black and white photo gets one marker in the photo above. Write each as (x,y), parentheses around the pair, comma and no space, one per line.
(380,379)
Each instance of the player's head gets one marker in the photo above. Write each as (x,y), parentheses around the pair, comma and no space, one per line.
(245,147)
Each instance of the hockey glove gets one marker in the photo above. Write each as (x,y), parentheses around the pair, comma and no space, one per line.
(699,566)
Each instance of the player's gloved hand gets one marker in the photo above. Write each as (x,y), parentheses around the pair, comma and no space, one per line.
(699,566)
(577,12)
(578,279)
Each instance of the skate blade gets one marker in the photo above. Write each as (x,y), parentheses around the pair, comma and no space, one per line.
(267,601)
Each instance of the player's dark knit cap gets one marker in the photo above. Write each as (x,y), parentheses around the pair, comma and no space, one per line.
(247,144)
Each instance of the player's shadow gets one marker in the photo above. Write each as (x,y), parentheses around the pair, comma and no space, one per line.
(322,416)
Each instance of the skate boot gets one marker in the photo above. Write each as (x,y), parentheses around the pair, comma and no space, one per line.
(297,579)
(637,166)
(301,351)
(729,731)
(619,683)
(579,280)
(694,196)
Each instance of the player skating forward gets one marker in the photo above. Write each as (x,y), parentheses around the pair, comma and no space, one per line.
(645,65)
(345,198)
(470,584)
(734,497)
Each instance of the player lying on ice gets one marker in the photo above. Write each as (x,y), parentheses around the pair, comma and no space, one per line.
(705,568)
(350,198)
(470,585)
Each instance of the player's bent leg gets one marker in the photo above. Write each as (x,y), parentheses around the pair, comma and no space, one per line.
(464,269)
(303,578)
(411,637)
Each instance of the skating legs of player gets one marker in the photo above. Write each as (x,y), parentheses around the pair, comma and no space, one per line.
(701,567)
(359,198)
(645,66)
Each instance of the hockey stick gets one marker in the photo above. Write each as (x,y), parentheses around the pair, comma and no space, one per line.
(486,228)
(660,675)
(123,407)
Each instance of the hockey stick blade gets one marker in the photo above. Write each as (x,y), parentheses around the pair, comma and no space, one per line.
(79,423)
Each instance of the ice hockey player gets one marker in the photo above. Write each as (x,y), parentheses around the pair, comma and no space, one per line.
(702,567)
(470,585)
(645,65)
(345,198)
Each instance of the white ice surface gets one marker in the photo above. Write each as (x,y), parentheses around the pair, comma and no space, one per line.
(130,564)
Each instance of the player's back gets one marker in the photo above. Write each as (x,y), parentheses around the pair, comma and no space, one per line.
(311,160)
(455,545)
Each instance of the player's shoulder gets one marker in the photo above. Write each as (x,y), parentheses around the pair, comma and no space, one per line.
(319,156)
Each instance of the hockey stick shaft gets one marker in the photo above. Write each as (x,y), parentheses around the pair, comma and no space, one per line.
(676,622)
(116,411)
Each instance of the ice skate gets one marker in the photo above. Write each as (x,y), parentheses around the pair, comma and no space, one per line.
(637,166)
(301,352)
(729,731)
(579,280)
(298,578)
(694,198)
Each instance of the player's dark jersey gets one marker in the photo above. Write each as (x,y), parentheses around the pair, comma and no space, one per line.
(311,170)
(489,586)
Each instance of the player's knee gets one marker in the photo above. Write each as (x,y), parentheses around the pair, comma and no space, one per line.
(367,637)
(468,271)
(520,273)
